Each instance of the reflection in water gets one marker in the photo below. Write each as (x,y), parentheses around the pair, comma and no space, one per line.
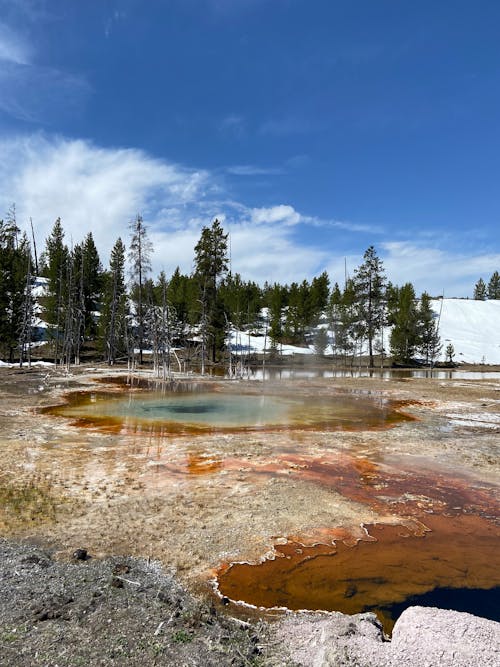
(458,553)
(284,373)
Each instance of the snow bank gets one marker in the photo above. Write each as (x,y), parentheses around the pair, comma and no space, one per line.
(243,343)
(472,327)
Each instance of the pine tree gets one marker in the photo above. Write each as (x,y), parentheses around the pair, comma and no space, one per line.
(450,353)
(404,339)
(182,294)
(72,310)
(480,290)
(347,330)
(430,342)
(392,300)
(113,321)
(55,261)
(275,300)
(211,265)
(294,322)
(140,259)
(369,285)
(14,266)
(242,300)
(91,285)
(319,295)
(494,286)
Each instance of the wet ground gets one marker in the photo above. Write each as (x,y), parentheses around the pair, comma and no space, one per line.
(201,499)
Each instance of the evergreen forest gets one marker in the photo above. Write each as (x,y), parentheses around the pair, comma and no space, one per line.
(76,306)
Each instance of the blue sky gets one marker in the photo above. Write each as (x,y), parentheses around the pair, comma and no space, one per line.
(312,129)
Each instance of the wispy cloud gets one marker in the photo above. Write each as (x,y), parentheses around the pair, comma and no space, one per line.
(288,125)
(253,170)
(95,189)
(31,92)
(13,48)
(233,124)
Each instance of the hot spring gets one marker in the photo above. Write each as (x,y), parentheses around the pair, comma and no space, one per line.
(192,408)
(293,433)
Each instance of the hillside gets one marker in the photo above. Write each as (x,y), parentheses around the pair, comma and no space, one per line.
(472,327)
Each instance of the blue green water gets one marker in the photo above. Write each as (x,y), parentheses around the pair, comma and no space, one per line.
(204,409)
(192,409)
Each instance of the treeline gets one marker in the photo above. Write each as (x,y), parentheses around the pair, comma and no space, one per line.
(124,313)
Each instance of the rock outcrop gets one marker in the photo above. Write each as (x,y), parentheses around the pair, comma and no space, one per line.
(422,636)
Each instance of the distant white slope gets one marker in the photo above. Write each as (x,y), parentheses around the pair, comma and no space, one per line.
(243,343)
(472,327)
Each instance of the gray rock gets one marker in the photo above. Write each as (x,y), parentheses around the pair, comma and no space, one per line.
(429,636)
(422,637)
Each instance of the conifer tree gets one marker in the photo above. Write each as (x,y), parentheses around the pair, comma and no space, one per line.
(320,341)
(494,286)
(294,321)
(211,265)
(91,282)
(319,295)
(480,290)
(183,294)
(392,300)
(14,265)
(369,286)
(275,298)
(113,322)
(430,342)
(242,300)
(347,330)
(404,339)
(55,261)
(450,353)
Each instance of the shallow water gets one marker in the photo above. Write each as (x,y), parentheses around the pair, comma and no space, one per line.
(382,573)
(192,411)
(284,373)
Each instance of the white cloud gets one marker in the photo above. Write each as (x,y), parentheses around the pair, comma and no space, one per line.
(102,189)
(283,214)
(13,48)
(91,188)
(434,270)
(271,254)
